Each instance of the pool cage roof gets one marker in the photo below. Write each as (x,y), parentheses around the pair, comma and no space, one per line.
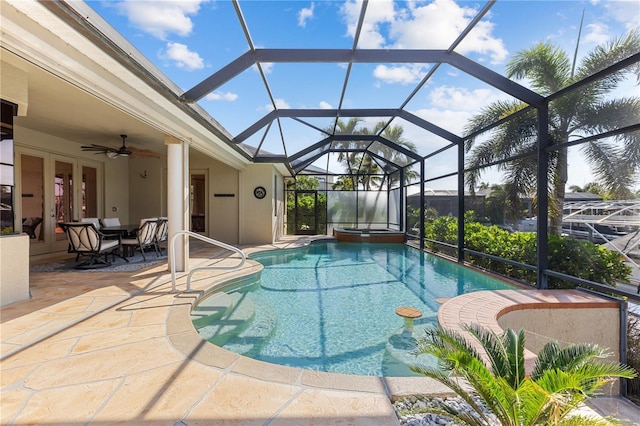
(388,155)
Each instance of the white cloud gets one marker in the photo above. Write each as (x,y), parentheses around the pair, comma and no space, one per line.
(280,104)
(305,14)
(161,17)
(399,74)
(626,12)
(461,98)
(183,57)
(597,34)
(267,67)
(378,13)
(325,105)
(222,96)
(432,26)
(453,106)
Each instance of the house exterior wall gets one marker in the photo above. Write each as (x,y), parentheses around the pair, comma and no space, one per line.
(145,193)
(14,86)
(260,221)
(14,268)
(222,221)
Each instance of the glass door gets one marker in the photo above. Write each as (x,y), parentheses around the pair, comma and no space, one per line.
(62,202)
(33,206)
(55,189)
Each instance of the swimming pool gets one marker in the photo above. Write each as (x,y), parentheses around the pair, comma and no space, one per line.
(331,306)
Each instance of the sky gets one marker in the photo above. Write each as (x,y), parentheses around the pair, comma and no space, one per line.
(188,40)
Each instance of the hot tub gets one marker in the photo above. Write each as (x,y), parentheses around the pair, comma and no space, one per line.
(365,235)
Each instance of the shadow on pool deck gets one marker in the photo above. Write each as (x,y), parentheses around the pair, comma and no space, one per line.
(120,347)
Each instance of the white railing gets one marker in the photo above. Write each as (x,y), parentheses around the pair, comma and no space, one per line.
(172,251)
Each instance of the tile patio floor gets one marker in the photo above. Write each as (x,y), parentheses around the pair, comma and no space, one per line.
(119,348)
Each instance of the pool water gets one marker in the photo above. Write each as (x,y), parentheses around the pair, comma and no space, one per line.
(331,306)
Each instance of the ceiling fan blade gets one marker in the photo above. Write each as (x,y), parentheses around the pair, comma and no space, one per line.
(98,148)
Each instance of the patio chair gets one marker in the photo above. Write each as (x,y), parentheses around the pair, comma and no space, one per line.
(86,240)
(30,226)
(145,238)
(110,221)
(162,232)
(94,220)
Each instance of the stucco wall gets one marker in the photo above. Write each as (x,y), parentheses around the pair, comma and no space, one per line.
(593,325)
(14,86)
(14,268)
(223,221)
(258,219)
(145,193)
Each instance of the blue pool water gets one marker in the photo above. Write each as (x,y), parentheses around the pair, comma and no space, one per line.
(331,306)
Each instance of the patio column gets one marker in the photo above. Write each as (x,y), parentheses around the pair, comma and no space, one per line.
(178,198)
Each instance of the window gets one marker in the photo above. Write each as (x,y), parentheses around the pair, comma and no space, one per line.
(7,179)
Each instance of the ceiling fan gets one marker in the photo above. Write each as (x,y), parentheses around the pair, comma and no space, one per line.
(123,151)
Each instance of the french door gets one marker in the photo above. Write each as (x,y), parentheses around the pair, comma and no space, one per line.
(55,189)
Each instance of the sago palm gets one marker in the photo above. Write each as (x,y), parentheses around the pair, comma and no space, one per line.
(560,380)
(582,112)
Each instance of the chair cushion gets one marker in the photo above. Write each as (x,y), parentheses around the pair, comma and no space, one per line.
(108,244)
(111,221)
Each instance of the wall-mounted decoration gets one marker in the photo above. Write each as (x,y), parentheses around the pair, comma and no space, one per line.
(260,192)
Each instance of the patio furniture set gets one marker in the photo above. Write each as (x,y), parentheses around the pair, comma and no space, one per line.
(95,239)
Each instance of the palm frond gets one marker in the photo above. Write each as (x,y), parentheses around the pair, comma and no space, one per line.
(490,114)
(548,67)
(452,384)
(496,351)
(603,56)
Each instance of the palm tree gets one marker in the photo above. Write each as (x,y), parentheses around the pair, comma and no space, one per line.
(560,380)
(395,134)
(581,112)
(364,165)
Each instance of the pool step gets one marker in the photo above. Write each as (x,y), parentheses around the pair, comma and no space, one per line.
(256,334)
(237,318)
(211,309)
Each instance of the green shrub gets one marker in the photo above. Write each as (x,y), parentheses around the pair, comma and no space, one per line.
(581,259)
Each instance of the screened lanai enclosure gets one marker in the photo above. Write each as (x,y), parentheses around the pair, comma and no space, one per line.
(491,191)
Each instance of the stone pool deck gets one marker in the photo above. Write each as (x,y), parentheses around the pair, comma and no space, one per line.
(109,348)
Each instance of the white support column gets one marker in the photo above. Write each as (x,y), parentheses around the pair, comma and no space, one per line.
(178,198)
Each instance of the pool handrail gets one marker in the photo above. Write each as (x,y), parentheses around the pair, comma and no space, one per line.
(172,262)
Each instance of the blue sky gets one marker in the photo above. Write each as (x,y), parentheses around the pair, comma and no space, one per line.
(191,39)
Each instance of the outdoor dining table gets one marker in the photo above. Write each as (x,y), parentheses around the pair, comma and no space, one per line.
(122,230)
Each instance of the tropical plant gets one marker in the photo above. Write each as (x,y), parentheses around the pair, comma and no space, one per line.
(309,209)
(582,259)
(362,168)
(561,377)
(579,113)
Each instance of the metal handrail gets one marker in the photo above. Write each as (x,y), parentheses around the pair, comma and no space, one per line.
(172,251)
